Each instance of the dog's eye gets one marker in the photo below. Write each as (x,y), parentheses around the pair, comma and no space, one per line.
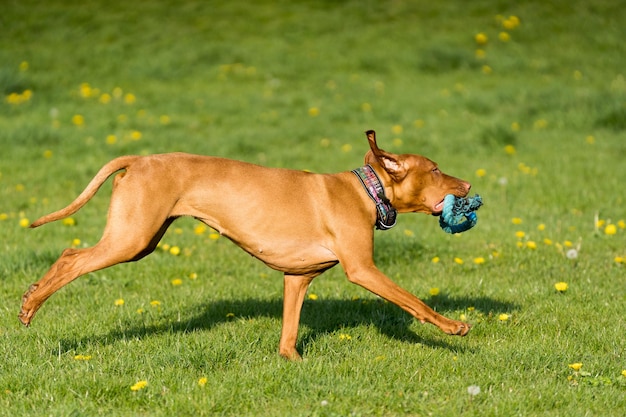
(435,170)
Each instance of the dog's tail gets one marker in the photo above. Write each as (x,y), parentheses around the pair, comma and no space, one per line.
(91,189)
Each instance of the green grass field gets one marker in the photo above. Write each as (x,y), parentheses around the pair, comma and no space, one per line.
(531,109)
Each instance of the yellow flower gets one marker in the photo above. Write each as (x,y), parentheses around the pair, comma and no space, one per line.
(479,261)
(434,291)
(547,241)
(511,23)
(139,385)
(78,120)
(119,302)
(174,250)
(129,98)
(541,227)
(458,261)
(82,357)
(75,242)
(24,222)
(610,229)
(503,317)
(520,234)
(344,336)
(105,98)
(193,276)
(435,260)
(69,221)
(620,259)
(47,154)
(509,149)
(202,381)
(568,244)
(111,139)
(480,53)
(561,286)
(486,69)
(576,366)
(516,220)
(409,233)
(621,224)
(531,244)
(481,38)
(312,297)
(164,119)
(214,235)
(314,112)
(540,124)
(463,317)
(155,303)
(177,282)
(346,148)
(504,36)
(515,126)
(366,107)
(624,373)
(481,172)
(140,310)
(396,129)
(24,66)
(135,135)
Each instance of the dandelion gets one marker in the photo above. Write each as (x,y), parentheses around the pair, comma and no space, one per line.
(47,154)
(473,390)
(624,373)
(78,120)
(24,66)
(105,98)
(458,261)
(620,259)
(509,149)
(312,297)
(366,107)
(547,241)
(202,381)
(155,303)
(504,36)
(463,317)
(511,23)
(479,260)
(135,135)
(481,172)
(419,123)
(515,127)
(344,336)
(520,234)
(111,139)
(139,385)
(85,90)
(82,357)
(434,291)
(435,260)
(571,254)
(119,302)
(214,235)
(610,229)
(177,281)
(540,124)
(397,142)
(621,224)
(314,112)
(408,233)
(69,221)
(576,366)
(396,129)
(174,250)
(193,276)
(516,220)
(24,222)
(129,98)
(140,310)
(504,317)
(325,142)
(346,148)
(561,286)
(480,53)
(481,38)
(486,69)
(531,244)
(541,227)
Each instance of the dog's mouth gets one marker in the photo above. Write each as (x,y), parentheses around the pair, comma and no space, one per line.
(438,208)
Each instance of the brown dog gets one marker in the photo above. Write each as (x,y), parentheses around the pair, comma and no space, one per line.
(296,222)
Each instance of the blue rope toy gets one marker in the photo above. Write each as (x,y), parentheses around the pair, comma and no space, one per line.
(458,213)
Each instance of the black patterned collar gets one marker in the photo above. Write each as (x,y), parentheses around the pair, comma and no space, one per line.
(385,213)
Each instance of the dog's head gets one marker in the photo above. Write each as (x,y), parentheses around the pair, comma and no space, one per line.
(413,183)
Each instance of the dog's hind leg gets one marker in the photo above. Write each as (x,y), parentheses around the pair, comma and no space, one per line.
(133,230)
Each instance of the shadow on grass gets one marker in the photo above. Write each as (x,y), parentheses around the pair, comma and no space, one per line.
(319,317)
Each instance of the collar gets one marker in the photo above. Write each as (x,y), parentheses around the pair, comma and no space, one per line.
(385,213)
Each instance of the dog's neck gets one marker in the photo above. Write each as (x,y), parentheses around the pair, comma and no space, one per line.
(385,213)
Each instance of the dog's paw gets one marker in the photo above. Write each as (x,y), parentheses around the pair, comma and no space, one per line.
(457,328)
(26,314)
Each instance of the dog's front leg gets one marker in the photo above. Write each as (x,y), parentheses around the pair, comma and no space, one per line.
(370,278)
(294,292)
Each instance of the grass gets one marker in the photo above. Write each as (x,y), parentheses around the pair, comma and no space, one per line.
(536,123)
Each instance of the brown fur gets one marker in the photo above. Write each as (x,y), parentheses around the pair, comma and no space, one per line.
(296,222)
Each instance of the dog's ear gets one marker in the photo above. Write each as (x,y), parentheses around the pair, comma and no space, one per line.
(389,161)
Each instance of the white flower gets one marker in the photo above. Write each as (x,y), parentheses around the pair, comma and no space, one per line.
(572,254)
(473,390)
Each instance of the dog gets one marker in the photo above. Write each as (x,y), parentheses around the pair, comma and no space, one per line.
(296,222)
